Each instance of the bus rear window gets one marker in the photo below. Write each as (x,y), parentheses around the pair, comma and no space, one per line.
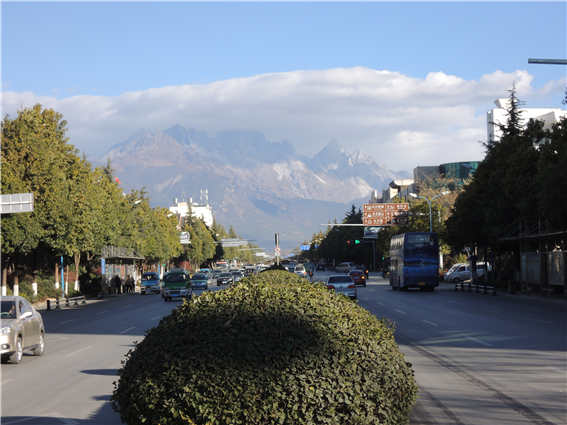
(419,241)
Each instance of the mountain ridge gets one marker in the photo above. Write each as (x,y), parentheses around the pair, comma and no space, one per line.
(254,184)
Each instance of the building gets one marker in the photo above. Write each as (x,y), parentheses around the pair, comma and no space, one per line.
(402,188)
(498,115)
(199,211)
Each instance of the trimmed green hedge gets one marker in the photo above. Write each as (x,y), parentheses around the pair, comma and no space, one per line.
(272,349)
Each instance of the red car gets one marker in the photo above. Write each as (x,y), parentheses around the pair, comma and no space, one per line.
(358,277)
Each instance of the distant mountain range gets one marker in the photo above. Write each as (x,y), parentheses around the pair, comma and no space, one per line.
(259,187)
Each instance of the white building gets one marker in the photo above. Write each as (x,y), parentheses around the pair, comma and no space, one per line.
(498,115)
(200,211)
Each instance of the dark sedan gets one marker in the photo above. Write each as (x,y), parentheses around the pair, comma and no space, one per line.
(225,279)
(22,329)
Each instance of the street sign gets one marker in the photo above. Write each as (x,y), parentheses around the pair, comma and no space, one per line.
(385,214)
(102,266)
(278,250)
(304,247)
(16,203)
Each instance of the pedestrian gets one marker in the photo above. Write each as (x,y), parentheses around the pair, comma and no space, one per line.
(117,283)
(130,284)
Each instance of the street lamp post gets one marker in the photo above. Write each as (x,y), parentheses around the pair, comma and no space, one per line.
(429,201)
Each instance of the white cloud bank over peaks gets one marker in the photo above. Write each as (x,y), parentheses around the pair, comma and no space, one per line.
(400,121)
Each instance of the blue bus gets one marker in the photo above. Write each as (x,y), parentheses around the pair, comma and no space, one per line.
(414,261)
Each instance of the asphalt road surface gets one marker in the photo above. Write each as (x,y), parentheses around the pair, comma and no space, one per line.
(478,359)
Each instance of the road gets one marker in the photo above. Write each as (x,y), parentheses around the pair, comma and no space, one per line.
(478,359)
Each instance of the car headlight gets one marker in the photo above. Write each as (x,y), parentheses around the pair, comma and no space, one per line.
(5,330)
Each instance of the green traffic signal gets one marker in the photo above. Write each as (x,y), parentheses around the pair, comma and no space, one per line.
(357,241)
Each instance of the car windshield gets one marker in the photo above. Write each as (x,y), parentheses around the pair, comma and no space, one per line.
(237,274)
(340,279)
(357,273)
(175,278)
(199,277)
(8,310)
(226,275)
(149,277)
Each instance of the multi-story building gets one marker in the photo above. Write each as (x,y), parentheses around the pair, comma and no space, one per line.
(180,208)
(498,115)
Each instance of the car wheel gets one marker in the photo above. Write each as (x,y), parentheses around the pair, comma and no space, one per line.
(143,293)
(16,358)
(456,280)
(38,351)
(364,284)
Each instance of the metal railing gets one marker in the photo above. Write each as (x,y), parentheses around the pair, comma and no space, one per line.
(65,302)
(485,287)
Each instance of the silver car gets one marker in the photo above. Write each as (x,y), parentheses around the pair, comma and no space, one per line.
(22,329)
(342,284)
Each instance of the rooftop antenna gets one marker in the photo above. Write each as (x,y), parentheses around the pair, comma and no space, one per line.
(183,195)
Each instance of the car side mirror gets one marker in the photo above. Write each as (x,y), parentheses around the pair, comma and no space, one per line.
(26,315)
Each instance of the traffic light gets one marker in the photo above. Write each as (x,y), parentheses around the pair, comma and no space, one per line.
(354,242)
(349,241)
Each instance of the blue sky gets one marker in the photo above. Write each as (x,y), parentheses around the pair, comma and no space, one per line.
(83,58)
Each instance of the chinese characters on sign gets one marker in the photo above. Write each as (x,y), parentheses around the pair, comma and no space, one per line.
(385,214)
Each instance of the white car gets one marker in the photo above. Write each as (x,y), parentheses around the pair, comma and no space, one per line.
(345,267)
(461,272)
(300,270)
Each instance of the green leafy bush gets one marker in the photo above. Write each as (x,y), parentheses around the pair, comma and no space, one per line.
(272,349)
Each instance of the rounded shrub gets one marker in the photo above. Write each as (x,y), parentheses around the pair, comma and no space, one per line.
(272,349)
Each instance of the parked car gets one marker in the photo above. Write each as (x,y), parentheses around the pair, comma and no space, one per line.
(461,272)
(225,279)
(342,284)
(358,277)
(150,283)
(200,281)
(22,329)
(345,267)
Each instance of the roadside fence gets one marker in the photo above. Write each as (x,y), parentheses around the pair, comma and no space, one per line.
(65,302)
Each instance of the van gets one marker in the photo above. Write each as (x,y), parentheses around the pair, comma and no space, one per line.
(149,283)
(176,284)
(345,267)
(461,272)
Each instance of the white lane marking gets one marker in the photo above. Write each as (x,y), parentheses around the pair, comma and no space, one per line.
(78,351)
(67,321)
(159,317)
(479,341)
(431,323)
(454,302)
(126,330)
(379,303)
(490,311)
(364,298)
(127,306)
(541,321)
(145,301)
(102,312)
(556,369)
(400,311)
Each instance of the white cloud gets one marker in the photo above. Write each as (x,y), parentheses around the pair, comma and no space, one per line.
(399,120)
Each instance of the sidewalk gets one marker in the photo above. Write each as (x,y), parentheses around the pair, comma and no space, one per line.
(42,306)
(518,296)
